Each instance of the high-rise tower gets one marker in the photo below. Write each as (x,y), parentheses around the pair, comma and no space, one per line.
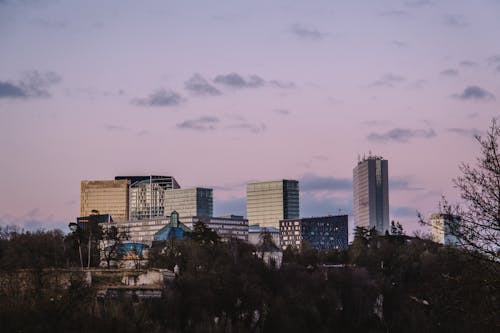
(371,193)
(272,201)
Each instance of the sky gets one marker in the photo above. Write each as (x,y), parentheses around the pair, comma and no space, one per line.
(220,93)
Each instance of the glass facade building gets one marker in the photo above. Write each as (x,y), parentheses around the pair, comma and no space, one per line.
(272,201)
(371,193)
(190,201)
(322,233)
(106,196)
(147,196)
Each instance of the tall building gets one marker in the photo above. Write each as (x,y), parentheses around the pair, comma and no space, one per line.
(371,193)
(322,233)
(147,195)
(106,196)
(442,226)
(272,201)
(190,201)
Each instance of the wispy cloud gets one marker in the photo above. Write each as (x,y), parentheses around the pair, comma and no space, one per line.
(305,32)
(495,62)
(396,14)
(160,97)
(474,93)
(468,63)
(311,182)
(404,211)
(114,128)
(401,135)
(251,127)
(199,124)
(198,85)
(449,72)
(33,84)
(399,43)
(235,80)
(419,3)
(457,21)
(403,184)
(283,112)
(388,80)
(468,132)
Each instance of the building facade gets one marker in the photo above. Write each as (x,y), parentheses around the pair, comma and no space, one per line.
(271,201)
(256,232)
(371,193)
(227,227)
(147,196)
(190,201)
(322,233)
(105,196)
(442,228)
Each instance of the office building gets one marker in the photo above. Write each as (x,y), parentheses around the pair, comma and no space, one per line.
(227,227)
(147,195)
(190,201)
(443,228)
(106,197)
(371,193)
(271,201)
(322,233)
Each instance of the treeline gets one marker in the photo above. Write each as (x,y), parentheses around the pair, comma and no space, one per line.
(381,284)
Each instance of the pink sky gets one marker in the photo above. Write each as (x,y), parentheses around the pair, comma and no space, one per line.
(219,94)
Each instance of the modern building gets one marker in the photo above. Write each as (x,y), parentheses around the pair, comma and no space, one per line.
(190,201)
(442,228)
(371,193)
(227,227)
(174,230)
(106,197)
(256,232)
(147,196)
(322,233)
(83,221)
(271,201)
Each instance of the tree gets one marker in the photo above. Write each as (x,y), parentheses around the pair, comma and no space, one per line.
(397,229)
(110,242)
(479,186)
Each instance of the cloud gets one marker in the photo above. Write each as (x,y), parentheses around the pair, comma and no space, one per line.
(457,21)
(399,43)
(236,205)
(252,127)
(449,72)
(468,132)
(237,81)
(402,184)
(468,63)
(283,112)
(115,128)
(200,124)
(388,80)
(495,62)
(32,220)
(419,3)
(312,182)
(33,85)
(396,13)
(281,84)
(401,135)
(474,93)
(308,33)
(321,205)
(160,97)
(198,85)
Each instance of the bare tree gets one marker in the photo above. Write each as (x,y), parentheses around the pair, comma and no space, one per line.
(479,226)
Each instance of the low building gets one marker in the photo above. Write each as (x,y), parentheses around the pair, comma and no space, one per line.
(322,233)
(231,226)
(443,228)
(256,232)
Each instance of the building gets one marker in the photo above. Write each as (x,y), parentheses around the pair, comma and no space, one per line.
(271,201)
(442,228)
(83,221)
(227,227)
(255,233)
(147,195)
(371,193)
(322,233)
(190,201)
(174,230)
(106,197)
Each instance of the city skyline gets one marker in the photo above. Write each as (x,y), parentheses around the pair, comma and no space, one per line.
(221,94)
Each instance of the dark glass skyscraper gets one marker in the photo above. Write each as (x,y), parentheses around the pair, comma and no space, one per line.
(371,193)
